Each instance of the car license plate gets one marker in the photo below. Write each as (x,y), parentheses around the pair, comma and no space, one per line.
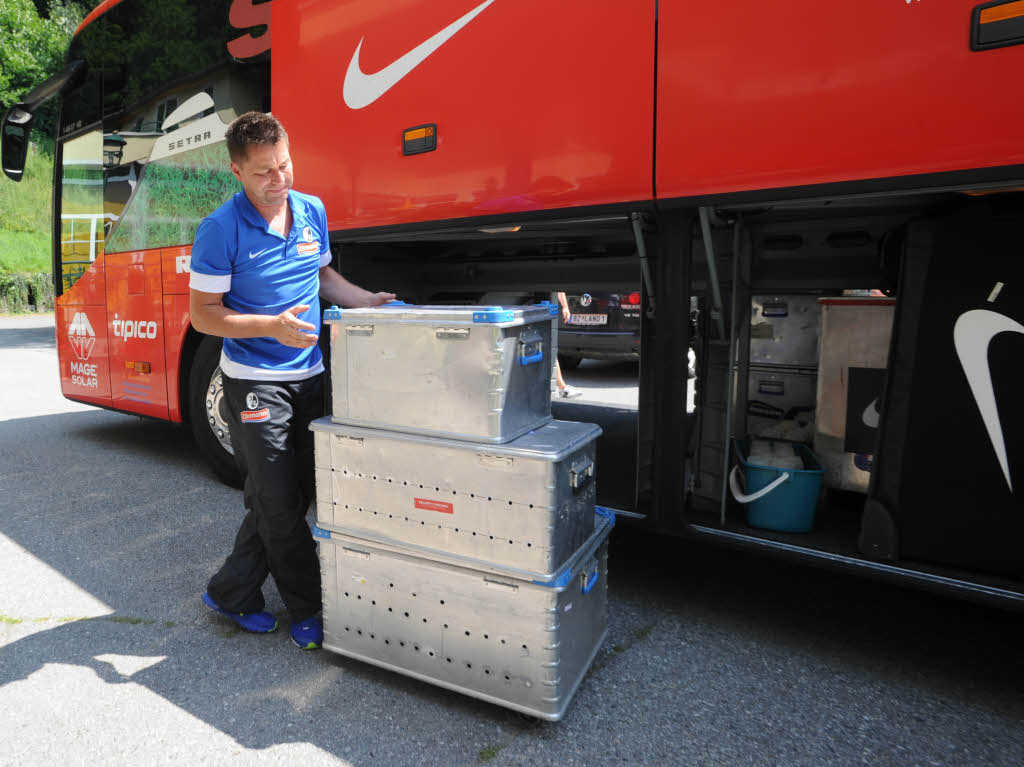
(588,319)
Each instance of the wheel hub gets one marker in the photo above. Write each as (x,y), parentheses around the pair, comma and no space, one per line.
(215,413)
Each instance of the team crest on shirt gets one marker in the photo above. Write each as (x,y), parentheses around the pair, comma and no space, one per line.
(310,246)
(252,415)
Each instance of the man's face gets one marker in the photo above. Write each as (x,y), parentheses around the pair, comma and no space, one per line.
(265,173)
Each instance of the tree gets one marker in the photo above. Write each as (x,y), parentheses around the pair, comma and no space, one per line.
(32,48)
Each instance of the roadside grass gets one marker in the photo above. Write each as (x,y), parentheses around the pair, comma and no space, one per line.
(25,214)
(25,252)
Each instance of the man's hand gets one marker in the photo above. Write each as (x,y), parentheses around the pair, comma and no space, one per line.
(380,298)
(291,331)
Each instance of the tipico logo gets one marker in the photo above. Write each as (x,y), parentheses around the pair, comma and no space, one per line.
(81,336)
(134,328)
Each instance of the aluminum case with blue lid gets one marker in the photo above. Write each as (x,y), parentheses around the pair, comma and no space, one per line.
(482,632)
(475,373)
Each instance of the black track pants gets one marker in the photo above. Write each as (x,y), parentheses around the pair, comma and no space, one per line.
(274,448)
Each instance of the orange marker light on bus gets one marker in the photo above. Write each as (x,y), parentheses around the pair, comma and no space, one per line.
(1002,12)
(419,139)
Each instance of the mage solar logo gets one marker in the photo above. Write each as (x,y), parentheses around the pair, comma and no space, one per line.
(81,336)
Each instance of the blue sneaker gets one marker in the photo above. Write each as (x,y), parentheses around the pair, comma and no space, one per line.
(308,634)
(259,623)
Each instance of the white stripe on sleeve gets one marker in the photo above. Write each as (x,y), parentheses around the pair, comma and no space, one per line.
(210,283)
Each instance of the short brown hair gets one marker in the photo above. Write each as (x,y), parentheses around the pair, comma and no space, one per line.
(253,128)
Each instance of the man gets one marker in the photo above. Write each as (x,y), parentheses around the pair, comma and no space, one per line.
(258,264)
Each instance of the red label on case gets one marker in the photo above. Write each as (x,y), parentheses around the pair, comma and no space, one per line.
(429,505)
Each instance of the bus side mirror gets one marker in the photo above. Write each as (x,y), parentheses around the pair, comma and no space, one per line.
(14,144)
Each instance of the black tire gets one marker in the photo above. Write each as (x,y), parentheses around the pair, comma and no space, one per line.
(207,412)
(567,362)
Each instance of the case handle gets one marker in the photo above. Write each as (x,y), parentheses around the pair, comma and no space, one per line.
(581,472)
(531,347)
(742,497)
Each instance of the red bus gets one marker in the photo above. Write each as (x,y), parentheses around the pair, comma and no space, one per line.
(820,209)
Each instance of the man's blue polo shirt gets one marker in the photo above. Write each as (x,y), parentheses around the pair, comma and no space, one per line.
(259,272)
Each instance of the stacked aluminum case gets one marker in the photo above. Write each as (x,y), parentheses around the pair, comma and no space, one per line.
(461,543)
(476,373)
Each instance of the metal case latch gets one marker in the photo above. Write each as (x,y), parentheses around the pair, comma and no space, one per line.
(581,472)
(531,347)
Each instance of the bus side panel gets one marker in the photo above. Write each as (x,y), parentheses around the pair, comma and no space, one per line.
(175,263)
(754,95)
(176,325)
(81,328)
(138,371)
(537,105)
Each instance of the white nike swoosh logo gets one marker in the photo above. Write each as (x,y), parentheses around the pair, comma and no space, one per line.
(972,334)
(361,89)
(254,255)
(871,415)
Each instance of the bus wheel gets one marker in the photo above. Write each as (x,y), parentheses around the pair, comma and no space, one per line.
(208,411)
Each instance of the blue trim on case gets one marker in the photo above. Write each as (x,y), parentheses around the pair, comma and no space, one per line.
(530,359)
(551,307)
(493,314)
(334,313)
(606,513)
(588,584)
(319,532)
(560,581)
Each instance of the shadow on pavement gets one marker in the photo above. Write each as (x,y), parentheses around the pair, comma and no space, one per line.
(124,509)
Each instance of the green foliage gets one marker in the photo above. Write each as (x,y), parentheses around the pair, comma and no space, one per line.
(25,206)
(31,49)
(487,753)
(19,292)
(25,252)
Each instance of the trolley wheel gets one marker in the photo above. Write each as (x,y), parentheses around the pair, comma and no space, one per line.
(208,412)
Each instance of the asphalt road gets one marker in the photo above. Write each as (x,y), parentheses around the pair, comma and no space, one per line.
(110,525)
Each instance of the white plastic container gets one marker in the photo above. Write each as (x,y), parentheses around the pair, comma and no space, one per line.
(855,334)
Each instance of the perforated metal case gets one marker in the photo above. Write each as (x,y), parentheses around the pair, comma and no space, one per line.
(526,505)
(512,642)
(476,373)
